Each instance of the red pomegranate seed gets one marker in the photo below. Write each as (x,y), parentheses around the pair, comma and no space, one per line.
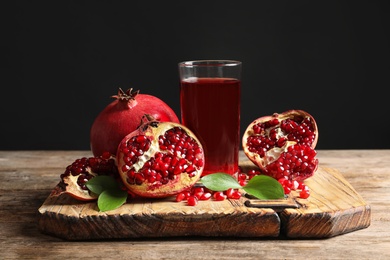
(205,196)
(187,194)
(242,182)
(192,201)
(304,194)
(257,128)
(283,181)
(106,155)
(229,192)
(233,194)
(219,196)
(241,176)
(198,190)
(294,185)
(198,195)
(180,197)
(286,189)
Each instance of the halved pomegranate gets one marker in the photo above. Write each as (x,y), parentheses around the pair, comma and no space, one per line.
(282,145)
(160,159)
(82,170)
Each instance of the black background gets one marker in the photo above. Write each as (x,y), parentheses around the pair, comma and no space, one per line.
(64,59)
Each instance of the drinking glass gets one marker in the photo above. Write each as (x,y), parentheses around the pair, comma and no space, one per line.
(210,92)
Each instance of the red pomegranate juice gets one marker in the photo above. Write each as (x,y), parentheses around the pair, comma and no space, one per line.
(210,107)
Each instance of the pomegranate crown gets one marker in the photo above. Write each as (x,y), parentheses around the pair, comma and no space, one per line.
(128,95)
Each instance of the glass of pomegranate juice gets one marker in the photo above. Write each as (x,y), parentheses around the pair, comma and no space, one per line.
(210,92)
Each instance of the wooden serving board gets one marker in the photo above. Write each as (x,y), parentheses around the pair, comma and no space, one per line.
(333,208)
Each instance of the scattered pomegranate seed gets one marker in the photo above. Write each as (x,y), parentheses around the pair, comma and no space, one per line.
(198,191)
(205,196)
(229,192)
(233,194)
(304,194)
(192,201)
(219,196)
(201,193)
(242,176)
(181,196)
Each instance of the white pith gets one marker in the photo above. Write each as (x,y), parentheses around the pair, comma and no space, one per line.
(154,147)
(273,154)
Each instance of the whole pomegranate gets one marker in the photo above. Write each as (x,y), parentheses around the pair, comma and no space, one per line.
(160,159)
(82,170)
(123,116)
(282,145)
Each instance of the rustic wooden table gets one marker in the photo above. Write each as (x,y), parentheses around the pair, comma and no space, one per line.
(27,177)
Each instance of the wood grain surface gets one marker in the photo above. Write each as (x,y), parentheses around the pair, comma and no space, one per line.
(333,208)
(27,177)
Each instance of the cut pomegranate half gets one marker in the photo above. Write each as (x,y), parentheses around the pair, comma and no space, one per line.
(160,159)
(282,145)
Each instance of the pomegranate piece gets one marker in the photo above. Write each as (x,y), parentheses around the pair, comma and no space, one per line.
(304,194)
(233,194)
(219,196)
(122,116)
(206,196)
(160,159)
(181,196)
(82,170)
(282,145)
(192,201)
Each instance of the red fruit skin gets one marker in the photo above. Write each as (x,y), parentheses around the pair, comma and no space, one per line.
(122,116)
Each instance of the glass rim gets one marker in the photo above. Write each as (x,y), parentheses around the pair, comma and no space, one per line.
(209,63)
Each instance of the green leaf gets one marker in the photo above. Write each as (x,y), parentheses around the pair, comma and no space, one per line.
(264,187)
(98,184)
(111,199)
(220,182)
